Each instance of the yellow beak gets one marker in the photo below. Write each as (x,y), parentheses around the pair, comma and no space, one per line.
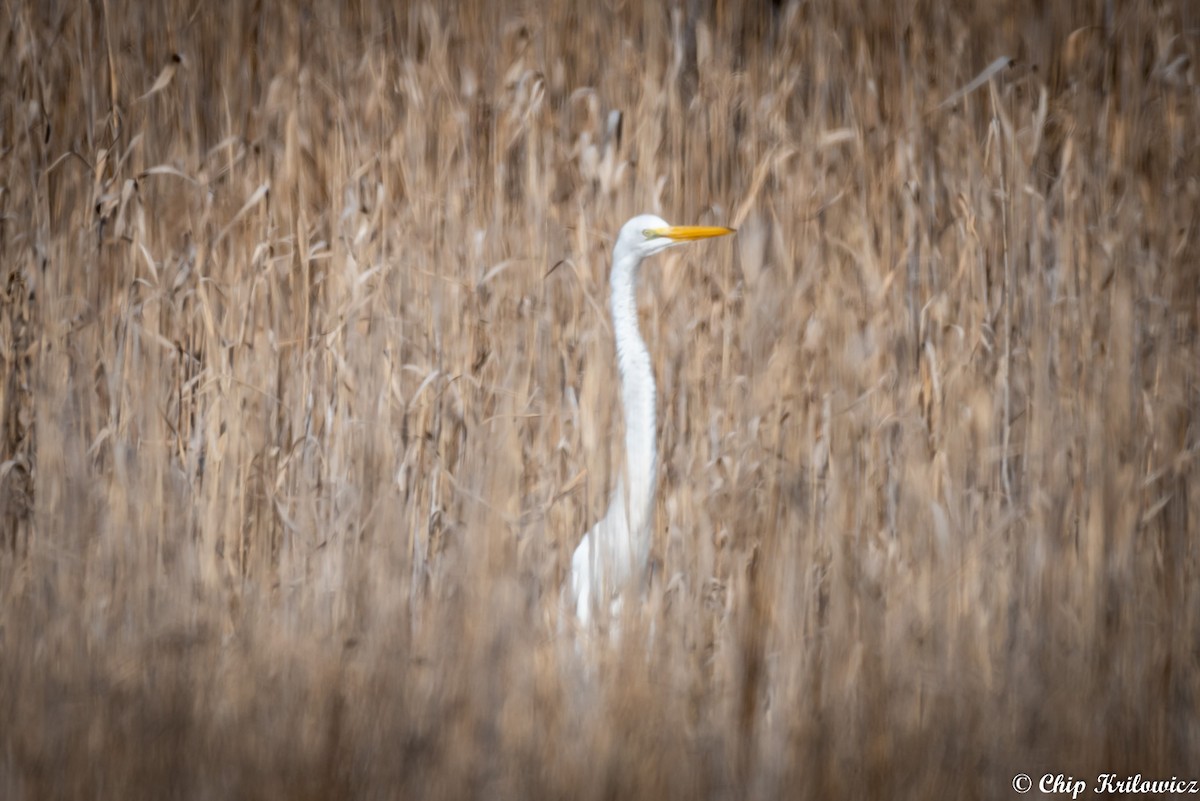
(688,233)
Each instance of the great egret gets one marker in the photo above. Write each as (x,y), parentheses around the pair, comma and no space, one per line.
(616,549)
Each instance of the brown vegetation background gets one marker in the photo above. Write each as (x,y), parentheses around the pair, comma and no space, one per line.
(307,394)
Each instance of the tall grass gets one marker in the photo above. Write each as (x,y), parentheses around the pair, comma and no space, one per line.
(308,393)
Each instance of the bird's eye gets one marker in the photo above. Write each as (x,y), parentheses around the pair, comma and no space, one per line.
(650,233)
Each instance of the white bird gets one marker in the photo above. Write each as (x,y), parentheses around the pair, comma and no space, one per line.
(616,549)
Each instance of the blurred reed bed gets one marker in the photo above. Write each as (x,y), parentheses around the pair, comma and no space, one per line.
(307,394)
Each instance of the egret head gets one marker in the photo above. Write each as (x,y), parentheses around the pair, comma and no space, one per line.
(647,234)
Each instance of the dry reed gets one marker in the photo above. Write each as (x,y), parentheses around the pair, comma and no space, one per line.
(307,394)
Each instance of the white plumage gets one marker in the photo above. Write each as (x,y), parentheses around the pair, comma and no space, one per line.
(615,550)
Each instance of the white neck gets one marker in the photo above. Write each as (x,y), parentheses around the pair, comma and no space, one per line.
(638,399)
